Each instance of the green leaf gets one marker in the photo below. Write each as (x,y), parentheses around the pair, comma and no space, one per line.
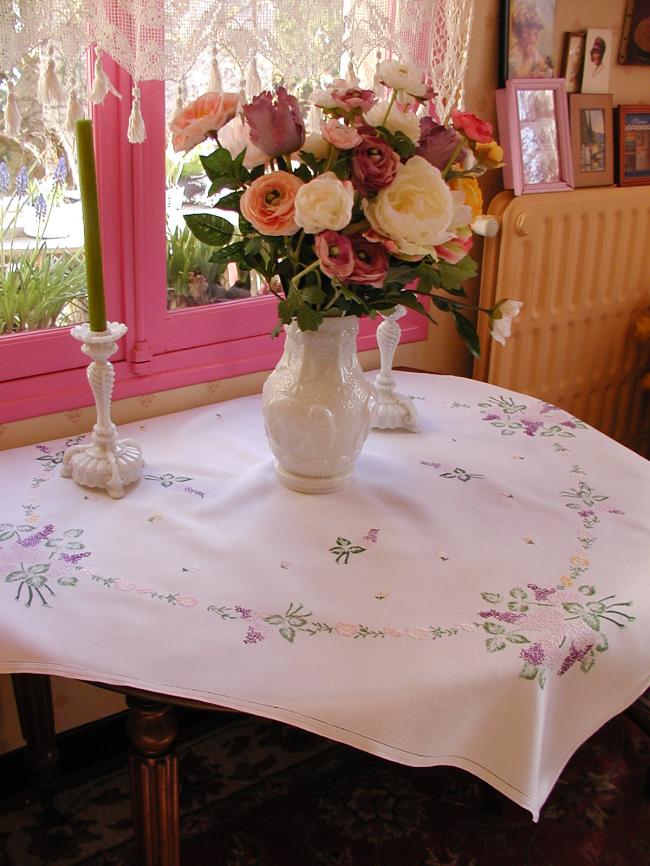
(73,533)
(217,164)
(230,253)
(209,228)
(468,332)
(277,330)
(288,633)
(245,228)
(528,672)
(492,597)
(591,620)
(303,173)
(603,644)
(221,183)
(517,638)
(230,201)
(253,245)
(400,274)
(452,276)
(312,294)
(408,299)
(68,581)
(494,627)
(308,319)
(13,576)
(494,644)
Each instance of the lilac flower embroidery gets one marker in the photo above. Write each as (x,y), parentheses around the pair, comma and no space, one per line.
(531,427)
(570,424)
(501,615)
(244,612)
(73,558)
(540,594)
(33,540)
(253,636)
(533,654)
(492,416)
(575,655)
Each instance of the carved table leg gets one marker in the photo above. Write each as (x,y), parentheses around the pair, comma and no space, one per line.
(34,702)
(153,768)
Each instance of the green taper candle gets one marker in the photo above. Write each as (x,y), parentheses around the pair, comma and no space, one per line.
(92,239)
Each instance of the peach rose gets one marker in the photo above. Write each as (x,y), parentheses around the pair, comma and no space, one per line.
(198,120)
(341,137)
(269,203)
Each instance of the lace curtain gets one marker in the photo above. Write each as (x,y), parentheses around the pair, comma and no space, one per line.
(262,40)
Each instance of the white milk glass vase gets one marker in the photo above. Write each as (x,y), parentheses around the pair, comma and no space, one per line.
(317,406)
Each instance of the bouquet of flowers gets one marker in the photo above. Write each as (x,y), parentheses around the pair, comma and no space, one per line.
(372,209)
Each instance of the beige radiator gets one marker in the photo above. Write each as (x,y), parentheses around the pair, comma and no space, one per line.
(580,261)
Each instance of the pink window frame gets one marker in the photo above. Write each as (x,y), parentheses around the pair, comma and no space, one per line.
(162,349)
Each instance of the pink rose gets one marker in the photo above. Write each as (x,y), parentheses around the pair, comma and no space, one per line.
(437,143)
(202,118)
(276,123)
(334,252)
(370,262)
(269,203)
(374,165)
(341,137)
(472,127)
(353,97)
(454,250)
(187,600)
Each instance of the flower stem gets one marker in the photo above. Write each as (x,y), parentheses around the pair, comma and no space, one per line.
(312,267)
(461,144)
(331,156)
(351,229)
(391,103)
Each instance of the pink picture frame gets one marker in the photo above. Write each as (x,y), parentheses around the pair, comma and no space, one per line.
(535,135)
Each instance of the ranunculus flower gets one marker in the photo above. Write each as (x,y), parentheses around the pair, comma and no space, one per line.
(437,142)
(370,262)
(501,319)
(324,203)
(269,203)
(351,98)
(473,197)
(489,154)
(334,252)
(406,122)
(407,79)
(203,117)
(235,136)
(276,122)
(374,165)
(454,250)
(472,127)
(415,211)
(341,137)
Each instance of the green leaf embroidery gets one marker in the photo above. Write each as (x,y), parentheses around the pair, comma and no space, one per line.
(591,620)
(517,638)
(288,633)
(528,672)
(494,644)
(494,628)
(492,597)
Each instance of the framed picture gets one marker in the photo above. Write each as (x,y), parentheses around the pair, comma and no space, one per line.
(598,61)
(633,140)
(572,60)
(527,39)
(592,139)
(534,132)
(635,41)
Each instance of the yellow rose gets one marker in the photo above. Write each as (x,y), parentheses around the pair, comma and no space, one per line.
(472,192)
(417,211)
(489,154)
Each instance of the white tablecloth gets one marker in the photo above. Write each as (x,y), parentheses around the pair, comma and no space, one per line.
(477,597)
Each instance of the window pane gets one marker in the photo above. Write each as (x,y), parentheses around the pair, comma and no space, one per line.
(192,280)
(42,277)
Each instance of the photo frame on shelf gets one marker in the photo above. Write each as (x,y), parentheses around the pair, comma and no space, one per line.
(527,39)
(534,132)
(572,60)
(633,145)
(635,38)
(592,138)
(597,66)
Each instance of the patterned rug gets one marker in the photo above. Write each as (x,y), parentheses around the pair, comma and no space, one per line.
(255,793)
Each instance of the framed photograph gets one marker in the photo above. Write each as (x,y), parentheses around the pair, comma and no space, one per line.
(572,61)
(633,140)
(527,39)
(598,61)
(592,139)
(534,132)
(635,41)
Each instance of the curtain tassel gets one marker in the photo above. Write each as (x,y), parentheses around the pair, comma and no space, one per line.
(12,114)
(102,85)
(216,84)
(315,120)
(74,111)
(50,90)
(136,132)
(253,80)
(351,75)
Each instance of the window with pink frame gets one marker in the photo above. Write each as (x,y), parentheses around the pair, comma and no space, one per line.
(43,371)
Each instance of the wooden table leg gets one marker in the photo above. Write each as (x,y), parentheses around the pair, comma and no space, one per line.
(152,729)
(33,695)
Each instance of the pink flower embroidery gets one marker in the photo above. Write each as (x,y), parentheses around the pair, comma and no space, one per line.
(187,601)
(346,629)
(416,632)
(124,585)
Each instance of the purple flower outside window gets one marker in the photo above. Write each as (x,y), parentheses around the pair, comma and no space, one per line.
(40,206)
(22,181)
(4,177)
(61,171)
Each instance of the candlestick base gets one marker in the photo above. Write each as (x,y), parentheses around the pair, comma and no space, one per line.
(105,461)
(392,410)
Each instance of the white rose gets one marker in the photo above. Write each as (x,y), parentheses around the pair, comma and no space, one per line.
(415,211)
(316,145)
(235,136)
(397,121)
(324,203)
(501,319)
(406,79)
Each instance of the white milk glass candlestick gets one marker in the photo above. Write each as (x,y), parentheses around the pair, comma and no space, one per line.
(105,461)
(392,410)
